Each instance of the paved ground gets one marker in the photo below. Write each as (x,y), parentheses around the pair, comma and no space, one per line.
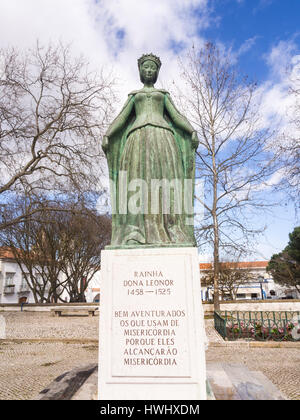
(32,325)
(26,368)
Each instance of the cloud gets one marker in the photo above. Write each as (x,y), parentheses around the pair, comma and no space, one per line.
(277,103)
(280,57)
(262,4)
(109,32)
(147,23)
(24,21)
(247,45)
(116,32)
(164,28)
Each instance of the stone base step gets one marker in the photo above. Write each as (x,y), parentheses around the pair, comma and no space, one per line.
(224,382)
(237,382)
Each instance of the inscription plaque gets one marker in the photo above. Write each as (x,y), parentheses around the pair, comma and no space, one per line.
(150,318)
(151,325)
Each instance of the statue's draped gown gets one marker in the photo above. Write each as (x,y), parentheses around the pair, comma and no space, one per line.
(150,152)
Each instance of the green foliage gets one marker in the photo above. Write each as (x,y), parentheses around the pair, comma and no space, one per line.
(285,266)
(293,247)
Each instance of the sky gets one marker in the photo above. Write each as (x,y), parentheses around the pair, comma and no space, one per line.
(263,37)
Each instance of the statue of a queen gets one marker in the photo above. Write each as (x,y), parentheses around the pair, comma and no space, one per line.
(150,141)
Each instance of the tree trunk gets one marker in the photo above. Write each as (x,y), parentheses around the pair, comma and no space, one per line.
(216,233)
(216,278)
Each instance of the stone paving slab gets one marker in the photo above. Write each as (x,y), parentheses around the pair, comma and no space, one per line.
(30,325)
(281,366)
(68,384)
(90,389)
(248,386)
(268,385)
(39,348)
(225,382)
(28,368)
(222,385)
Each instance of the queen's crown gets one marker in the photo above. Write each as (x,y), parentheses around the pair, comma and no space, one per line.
(151,57)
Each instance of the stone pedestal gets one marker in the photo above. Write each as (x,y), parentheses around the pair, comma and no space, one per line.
(152,336)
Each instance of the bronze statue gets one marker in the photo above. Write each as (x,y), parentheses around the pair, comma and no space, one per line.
(150,141)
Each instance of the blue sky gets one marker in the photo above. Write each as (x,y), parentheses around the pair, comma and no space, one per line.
(253,28)
(262,35)
(262,23)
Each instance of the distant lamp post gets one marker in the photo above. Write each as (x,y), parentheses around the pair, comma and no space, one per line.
(261,280)
(208,291)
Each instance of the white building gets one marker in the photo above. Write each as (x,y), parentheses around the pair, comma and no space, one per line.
(92,293)
(14,289)
(261,287)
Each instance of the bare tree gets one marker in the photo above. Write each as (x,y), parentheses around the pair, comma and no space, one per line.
(35,244)
(288,145)
(53,110)
(84,236)
(58,250)
(232,158)
(231,278)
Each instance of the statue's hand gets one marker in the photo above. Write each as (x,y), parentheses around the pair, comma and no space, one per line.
(105,142)
(195,140)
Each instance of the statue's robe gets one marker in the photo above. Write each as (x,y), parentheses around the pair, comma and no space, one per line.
(126,227)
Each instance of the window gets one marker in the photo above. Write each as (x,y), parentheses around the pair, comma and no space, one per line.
(253,295)
(24,286)
(241,296)
(9,279)
(9,287)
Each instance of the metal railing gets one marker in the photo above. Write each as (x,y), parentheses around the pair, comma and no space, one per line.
(258,325)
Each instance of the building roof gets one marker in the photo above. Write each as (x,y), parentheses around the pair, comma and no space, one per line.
(243,264)
(6,253)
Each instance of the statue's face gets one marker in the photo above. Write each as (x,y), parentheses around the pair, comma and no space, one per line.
(149,71)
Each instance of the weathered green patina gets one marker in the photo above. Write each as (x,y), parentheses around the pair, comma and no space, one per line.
(149,142)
